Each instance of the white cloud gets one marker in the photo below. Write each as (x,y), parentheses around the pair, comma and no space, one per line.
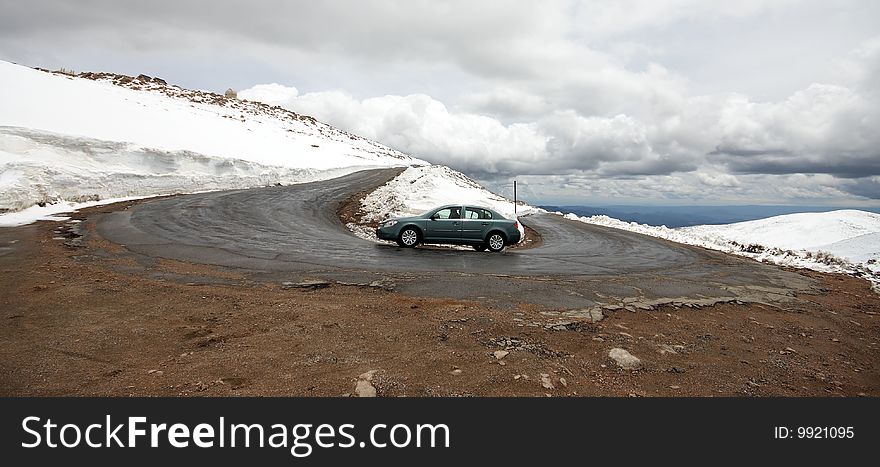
(272,94)
(718,179)
(824,128)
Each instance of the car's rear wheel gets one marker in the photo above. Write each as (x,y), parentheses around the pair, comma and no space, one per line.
(480,247)
(495,242)
(408,238)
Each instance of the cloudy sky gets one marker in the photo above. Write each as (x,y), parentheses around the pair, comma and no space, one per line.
(624,101)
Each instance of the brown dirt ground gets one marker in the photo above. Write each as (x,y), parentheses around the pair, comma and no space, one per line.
(74,323)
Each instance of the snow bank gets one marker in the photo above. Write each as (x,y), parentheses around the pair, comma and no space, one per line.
(419,189)
(46,173)
(844,241)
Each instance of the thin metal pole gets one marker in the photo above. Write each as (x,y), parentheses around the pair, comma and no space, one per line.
(514,196)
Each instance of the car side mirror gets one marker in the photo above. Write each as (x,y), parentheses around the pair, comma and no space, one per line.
(435,216)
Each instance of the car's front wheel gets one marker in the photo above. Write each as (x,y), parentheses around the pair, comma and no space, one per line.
(495,242)
(408,238)
(480,247)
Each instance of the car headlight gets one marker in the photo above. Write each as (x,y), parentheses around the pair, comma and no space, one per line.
(389,223)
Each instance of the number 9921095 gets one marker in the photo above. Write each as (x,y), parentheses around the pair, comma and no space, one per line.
(814,432)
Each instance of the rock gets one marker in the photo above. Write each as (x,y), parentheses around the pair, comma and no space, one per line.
(364,386)
(596,315)
(563,382)
(456,371)
(382,284)
(624,359)
(364,389)
(592,315)
(675,369)
(545,381)
(666,348)
(309,284)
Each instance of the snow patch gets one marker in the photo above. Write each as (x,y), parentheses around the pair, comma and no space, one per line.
(843,241)
(52,212)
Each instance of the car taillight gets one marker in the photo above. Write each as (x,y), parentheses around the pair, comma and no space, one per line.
(516,225)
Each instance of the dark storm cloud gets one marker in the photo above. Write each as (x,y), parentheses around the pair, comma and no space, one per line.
(763,162)
(865,187)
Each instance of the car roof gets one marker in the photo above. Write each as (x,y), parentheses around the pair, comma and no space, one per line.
(456,205)
(494,212)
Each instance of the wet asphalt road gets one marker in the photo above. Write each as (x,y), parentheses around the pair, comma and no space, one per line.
(294,232)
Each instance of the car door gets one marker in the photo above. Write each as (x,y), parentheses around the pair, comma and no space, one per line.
(444,225)
(475,224)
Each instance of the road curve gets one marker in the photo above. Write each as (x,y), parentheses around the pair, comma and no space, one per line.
(296,228)
(293,233)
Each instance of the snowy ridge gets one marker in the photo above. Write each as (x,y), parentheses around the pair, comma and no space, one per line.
(97,136)
(844,241)
(418,189)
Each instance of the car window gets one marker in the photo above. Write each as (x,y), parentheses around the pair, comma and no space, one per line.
(477,213)
(449,213)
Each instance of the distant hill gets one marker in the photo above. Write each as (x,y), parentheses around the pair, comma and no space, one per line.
(686,216)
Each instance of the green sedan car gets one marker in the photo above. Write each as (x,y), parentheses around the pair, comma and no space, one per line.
(476,226)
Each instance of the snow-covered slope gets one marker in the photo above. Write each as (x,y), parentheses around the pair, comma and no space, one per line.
(846,241)
(419,189)
(803,231)
(104,135)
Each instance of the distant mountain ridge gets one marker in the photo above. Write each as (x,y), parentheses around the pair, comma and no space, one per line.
(687,216)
